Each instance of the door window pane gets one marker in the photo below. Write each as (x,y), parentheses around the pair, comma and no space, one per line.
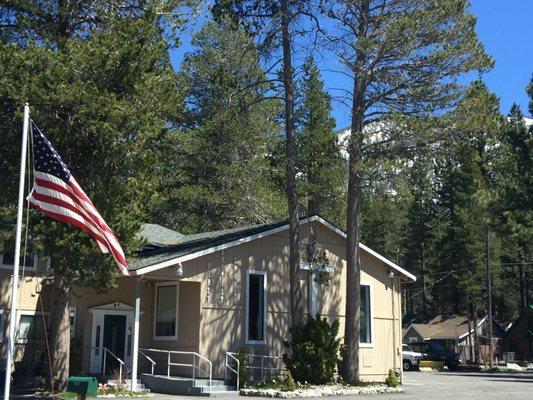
(165,319)
(256,307)
(365,317)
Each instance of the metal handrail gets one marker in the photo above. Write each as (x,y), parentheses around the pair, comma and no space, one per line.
(105,352)
(236,372)
(149,359)
(193,365)
(262,367)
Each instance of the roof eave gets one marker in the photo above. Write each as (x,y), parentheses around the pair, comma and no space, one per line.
(186,257)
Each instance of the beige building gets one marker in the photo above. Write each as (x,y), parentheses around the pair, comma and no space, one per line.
(200,297)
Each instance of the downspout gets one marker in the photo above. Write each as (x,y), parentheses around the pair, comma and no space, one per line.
(394,345)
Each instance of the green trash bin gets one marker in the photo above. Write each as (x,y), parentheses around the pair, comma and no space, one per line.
(82,385)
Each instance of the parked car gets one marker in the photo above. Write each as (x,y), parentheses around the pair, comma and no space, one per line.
(410,358)
(434,351)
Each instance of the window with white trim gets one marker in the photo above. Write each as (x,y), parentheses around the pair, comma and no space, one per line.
(166,311)
(73,313)
(313,295)
(31,327)
(365,333)
(7,256)
(256,307)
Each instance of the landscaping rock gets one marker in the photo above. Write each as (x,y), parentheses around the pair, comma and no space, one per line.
(320,391)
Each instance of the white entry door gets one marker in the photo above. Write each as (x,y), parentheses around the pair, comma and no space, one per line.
(112,328)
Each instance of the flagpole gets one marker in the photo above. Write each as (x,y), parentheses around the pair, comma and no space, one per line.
(16,263)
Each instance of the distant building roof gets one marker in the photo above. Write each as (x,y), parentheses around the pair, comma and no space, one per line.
(445,326)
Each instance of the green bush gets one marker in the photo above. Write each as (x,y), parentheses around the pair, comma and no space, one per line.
(340,361)
(314,349)
(392,380)
(242,356)
(288,383)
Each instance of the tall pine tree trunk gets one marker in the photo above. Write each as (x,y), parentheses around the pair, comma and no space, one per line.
(354,196)
(522,276)
(290,171)
(60,313)
(424,294)
(476,341)
(353,278)
(60,333)
(471,350)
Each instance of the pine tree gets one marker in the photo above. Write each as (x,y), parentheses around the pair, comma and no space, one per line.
(404,57)
(322,183)
(102,89)
(217,176)
(418,239)
(511,206)
(463,215)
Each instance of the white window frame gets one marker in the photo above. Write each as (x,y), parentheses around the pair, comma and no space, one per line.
(246,310)
(33,313)
(312,293)
(157,285)
(32,268)
(1,326)
(73,311)
(371,307)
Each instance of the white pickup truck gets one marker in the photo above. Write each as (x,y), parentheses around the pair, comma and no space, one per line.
(410,358)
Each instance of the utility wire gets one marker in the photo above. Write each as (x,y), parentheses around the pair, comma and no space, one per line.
(471,268)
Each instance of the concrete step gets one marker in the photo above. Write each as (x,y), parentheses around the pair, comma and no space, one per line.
(213,391)
(179,385)
(214,382)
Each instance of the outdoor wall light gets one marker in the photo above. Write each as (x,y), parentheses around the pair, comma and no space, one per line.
(391,273)
(179,270)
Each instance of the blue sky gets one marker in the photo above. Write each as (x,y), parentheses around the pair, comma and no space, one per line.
(504,26)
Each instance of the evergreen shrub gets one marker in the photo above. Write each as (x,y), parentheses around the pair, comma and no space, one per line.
(314,349)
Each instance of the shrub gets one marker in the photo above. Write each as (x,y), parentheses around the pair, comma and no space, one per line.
(288,383)
(340,361)
(314,351)
(242,356)
(392,380)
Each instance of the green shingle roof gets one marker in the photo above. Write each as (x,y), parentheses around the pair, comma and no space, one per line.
(187,244)
(159,236)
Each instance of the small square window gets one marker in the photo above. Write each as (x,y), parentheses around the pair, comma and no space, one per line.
(31,327)
(7,256)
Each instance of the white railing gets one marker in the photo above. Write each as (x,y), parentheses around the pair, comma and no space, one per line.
(149,359)
(229,367)
(105,351)
(268,366)
(195,365)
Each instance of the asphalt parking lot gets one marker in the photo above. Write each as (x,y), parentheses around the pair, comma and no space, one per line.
(463,385)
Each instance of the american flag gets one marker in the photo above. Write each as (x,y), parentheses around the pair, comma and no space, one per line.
(57,194)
